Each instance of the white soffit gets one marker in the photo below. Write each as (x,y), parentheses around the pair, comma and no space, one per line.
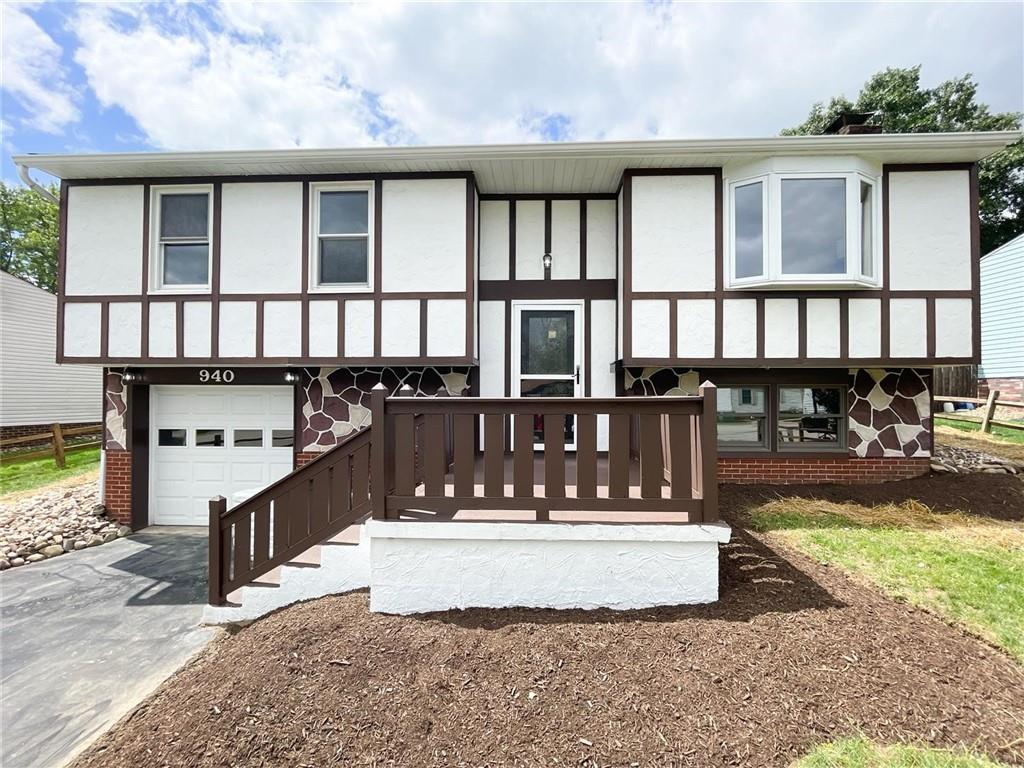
(586,167)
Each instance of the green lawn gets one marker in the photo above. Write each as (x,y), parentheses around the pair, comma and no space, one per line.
(1002,433)
(968,570)
(25,474)
(861,753)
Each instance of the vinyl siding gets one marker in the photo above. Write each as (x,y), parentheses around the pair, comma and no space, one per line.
(33,388)
(1002,311)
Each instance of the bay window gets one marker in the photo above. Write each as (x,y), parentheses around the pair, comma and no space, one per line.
(803,229)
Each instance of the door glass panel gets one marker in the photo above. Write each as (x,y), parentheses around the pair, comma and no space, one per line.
(547,342)
(282,438)
(549,388)
(248,438)
(171,437)
(209,438)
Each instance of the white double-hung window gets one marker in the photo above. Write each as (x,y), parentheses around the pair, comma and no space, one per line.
(343,236)
(181,242)
(803,229)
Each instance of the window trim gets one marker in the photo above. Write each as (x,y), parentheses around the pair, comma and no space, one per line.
(772,275)
(315,286)
(156,250)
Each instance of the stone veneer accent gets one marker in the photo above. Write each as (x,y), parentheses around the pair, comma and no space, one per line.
(115,413)
(337,400)
(889,410)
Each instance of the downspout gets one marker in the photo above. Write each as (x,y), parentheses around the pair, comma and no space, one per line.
(35,186)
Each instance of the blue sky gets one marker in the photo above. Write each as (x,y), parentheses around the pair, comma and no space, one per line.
(107,77)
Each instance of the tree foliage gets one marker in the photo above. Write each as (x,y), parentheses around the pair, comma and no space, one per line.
(903,106)
(28,236)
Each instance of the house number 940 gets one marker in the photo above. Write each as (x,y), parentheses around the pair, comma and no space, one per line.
(217,376)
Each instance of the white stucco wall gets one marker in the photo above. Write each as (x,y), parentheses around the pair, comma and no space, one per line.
(954,328)
(600,239)
(930,230)
(282,329)
(197,328)
(237,331)
(601,357)
(865,328)
(446,328)
(492,352)
(323,328)
(424,235)
(261,238)
(420,567)
(400,328)
(823,327)
(781,327)
(104,250)
(908,330)
(163,334)
(494,236)
(82,330)
(529,239)
(125,329)
(359,328)
(565,239)
(673,233)
(696,328)
(650,328)
(739,328)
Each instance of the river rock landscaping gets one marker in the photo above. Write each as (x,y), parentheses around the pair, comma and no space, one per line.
(951,458)
(53,521)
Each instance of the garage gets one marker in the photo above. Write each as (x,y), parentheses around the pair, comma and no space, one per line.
(215,441)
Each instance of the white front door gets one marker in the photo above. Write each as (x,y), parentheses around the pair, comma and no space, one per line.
(547,356)
(215,441)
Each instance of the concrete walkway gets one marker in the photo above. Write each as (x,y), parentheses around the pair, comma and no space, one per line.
(86,636)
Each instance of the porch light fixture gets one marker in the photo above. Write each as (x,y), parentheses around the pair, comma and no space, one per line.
(546,261)
(291,377)
(129,377)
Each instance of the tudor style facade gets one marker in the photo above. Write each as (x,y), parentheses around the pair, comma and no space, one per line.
(245,304)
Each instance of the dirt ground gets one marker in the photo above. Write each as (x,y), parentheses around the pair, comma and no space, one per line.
(793,654)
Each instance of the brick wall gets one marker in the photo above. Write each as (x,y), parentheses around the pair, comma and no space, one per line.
(24,430)
(304,457)
(117,486)
(1008,389)
(787,470)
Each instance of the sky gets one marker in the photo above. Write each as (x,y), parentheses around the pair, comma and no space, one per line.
(178,76)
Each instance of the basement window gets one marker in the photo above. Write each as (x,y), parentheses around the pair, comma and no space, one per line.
(343,224)
(803,229)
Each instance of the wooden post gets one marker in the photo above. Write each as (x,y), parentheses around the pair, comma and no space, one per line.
(58,446)
(378,452)
(709,450)
(990,410)
(218,506)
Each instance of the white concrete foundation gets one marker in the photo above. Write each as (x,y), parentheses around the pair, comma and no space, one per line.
(416,567)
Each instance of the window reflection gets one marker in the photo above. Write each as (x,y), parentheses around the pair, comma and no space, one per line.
(809,415)
(742,417)
(749,230)
(813,226)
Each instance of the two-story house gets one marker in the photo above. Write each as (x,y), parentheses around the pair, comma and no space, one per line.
(245,303)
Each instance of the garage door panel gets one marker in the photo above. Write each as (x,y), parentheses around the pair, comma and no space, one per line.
(168,470)
(248,472)
(249,405)
(208,472)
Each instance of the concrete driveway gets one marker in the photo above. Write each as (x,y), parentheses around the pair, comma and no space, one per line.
(86,636)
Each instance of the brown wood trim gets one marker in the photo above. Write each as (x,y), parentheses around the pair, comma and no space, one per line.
(511,241)
(930,327)
(472,255)
(223,297)
(495,290)
(368,362)
(975,264)
(793,362)
(260,328)
(105,330)
(719,264)
(919,167)
(588,352)
(627,264)
(341,327)
(760,330)
(138,444)
(512,197)
(378,266)
(885,292)
(801,311)
(179,327)
(306,226)
(269,178)
(547,234)
(733,377)
(844,328)
(62,267)
(583,239)
(706,170)
(147,196)
(423,327)
(866,293)
(215,277)
(508,367)
(673,328)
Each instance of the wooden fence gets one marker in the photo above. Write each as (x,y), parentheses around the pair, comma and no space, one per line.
(56,439)
(955,381)
(988,409)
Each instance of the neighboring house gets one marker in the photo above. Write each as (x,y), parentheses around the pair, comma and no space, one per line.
(245,304)
(1002,316)
(36,392)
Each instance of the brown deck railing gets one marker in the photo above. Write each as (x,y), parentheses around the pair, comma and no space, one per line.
(675,442)
(302,509)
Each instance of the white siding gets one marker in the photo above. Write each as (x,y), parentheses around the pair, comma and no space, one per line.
(33,388)
(1002,311)
(261,238)
(424,235)
(104,251)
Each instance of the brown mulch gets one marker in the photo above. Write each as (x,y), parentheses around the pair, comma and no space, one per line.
(793,654)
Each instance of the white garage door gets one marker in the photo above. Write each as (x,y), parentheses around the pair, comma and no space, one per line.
(214,441)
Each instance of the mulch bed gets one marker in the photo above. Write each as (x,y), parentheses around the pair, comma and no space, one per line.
(793,654)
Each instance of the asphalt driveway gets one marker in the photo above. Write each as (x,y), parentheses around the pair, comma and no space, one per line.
(86,636)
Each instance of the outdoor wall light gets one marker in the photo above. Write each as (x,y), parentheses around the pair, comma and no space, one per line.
(547,261)
(129,377)
(291,377)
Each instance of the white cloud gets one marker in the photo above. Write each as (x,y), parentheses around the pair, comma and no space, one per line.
(32,72)
(308,74)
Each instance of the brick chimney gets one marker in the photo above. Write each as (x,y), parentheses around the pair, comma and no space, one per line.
(852,123)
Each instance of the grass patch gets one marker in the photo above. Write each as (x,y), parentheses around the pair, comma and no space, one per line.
(26,474)
(968,570)
(1006,434)
(862,753)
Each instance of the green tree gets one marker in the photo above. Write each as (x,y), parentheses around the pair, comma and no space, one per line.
(903,106)
(28,236)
